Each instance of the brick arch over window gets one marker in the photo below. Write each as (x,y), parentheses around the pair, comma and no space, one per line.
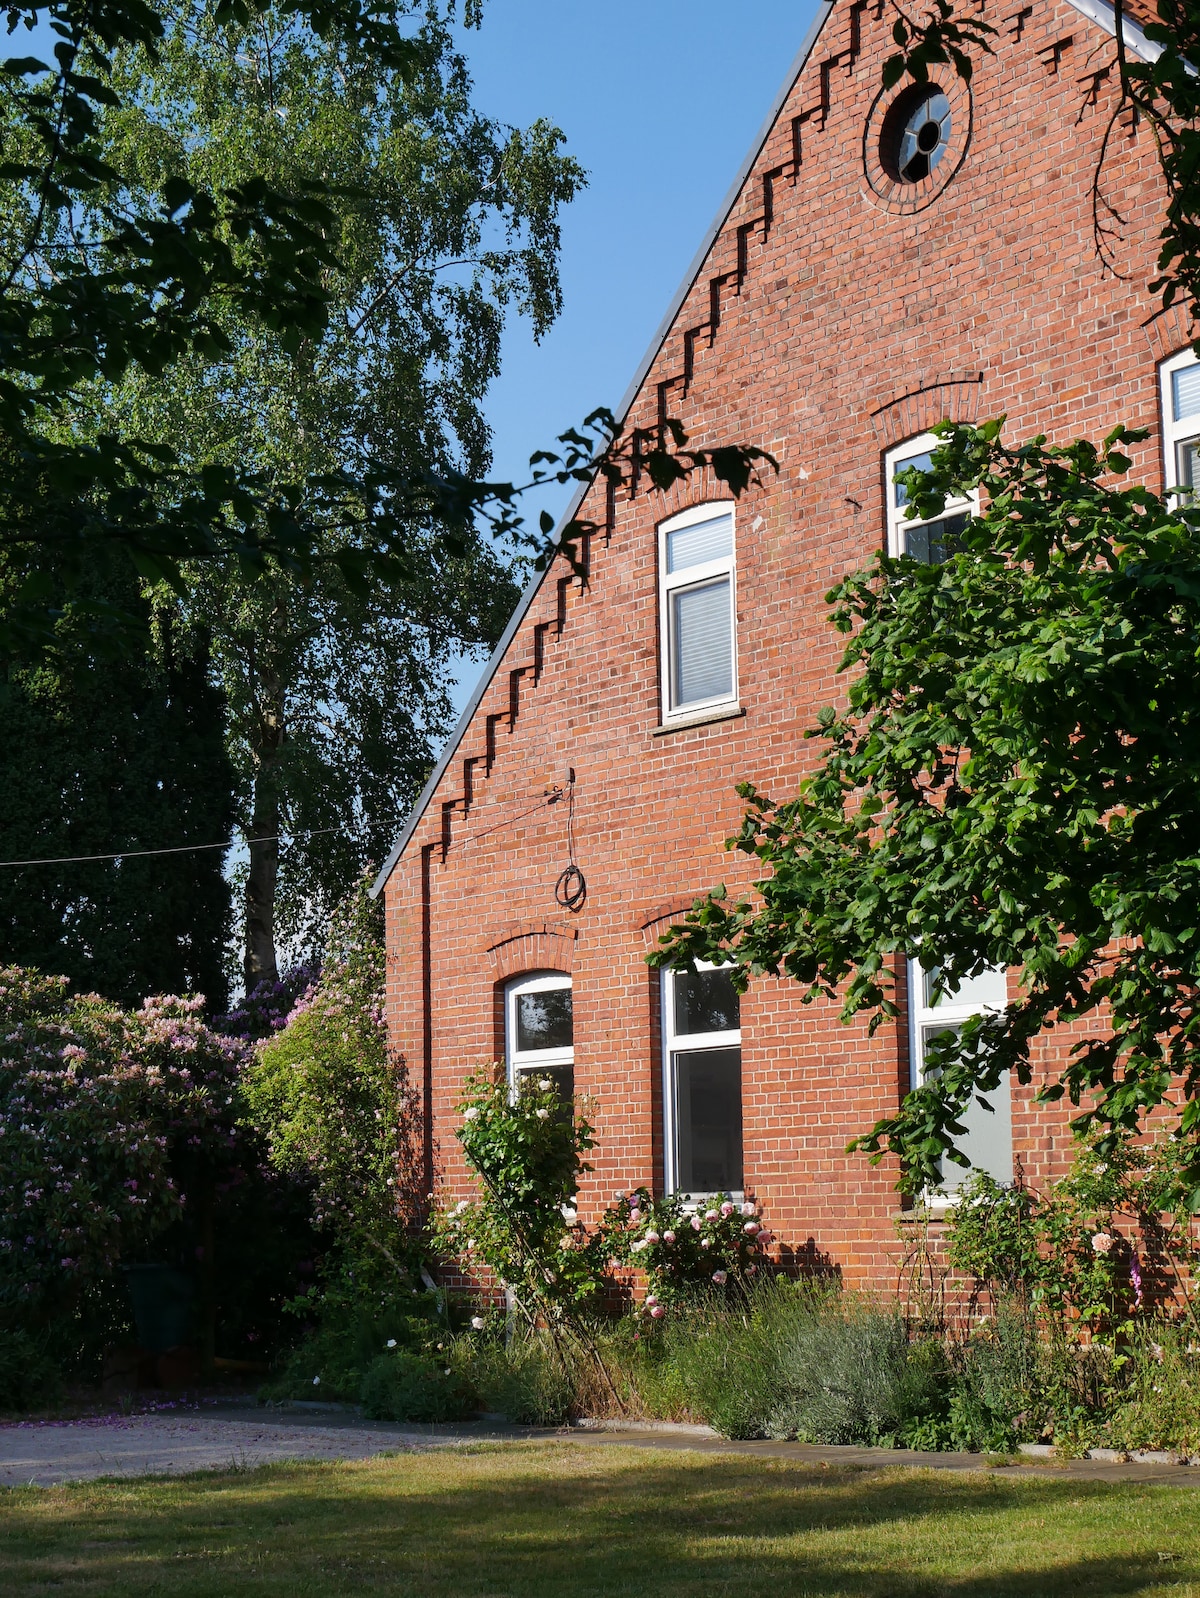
(955,398)
(532,946)
(654,922)
(1168,332)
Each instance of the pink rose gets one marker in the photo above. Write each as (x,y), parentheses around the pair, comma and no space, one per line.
(711,1215)
(1102,1242)
(706,1242)
(668,1237)
(695,1223)
(652,1237)
(765,1238)
(720,1278)
(748,1208)
(727,1208)
(634,1217)
(651,1301)
(657,1312)
(751,1227)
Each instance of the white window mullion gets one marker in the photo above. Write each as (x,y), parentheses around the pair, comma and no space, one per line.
(697,611)
(988,1140)
(702,1082)
(1180,393)
(925,540)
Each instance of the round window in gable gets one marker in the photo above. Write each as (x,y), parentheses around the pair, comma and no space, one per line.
(916,133)
(915,141)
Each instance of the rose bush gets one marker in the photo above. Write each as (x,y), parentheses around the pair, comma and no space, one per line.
(684,1248)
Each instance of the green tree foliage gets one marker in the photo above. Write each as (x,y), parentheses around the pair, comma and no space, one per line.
(333,1104)
(101,754)
(100,277)
(1015,781)
(337,681)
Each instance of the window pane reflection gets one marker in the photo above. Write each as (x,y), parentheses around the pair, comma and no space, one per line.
(709,1120)
(544,1020)
(705,1002)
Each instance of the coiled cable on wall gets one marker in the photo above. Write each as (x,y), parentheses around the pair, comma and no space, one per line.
(571,888)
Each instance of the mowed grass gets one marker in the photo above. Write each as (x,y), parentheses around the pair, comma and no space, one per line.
(537,1519)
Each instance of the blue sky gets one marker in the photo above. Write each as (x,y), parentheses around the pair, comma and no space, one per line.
(659,100)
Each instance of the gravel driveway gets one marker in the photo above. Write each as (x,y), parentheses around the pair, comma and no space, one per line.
(44,1453)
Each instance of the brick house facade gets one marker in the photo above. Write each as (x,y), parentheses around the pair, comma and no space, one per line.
(847,298)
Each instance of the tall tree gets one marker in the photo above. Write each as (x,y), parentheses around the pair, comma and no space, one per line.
(99,755)
(442,221)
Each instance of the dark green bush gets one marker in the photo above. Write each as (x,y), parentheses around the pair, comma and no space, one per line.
(353,1328)
(523,1381)
(403,1384)
(28,1375)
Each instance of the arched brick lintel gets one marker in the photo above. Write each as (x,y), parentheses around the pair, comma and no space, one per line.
(538,947)
(652,923)
(954,398)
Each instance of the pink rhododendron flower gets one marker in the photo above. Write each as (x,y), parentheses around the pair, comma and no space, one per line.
(1102,1242)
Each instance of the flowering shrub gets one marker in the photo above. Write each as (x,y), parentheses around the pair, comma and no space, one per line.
(718,1245)
(1094,1253)
(99,1109)
(266,1008)
(333,1103)
(523,1225)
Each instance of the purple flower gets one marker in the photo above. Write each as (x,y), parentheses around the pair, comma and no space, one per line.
(1135,1276)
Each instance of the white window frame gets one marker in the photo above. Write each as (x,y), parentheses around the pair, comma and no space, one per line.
(672,583)
(1175,433)
(520,1062)
(923,1018)
(898,521)
(692,1043)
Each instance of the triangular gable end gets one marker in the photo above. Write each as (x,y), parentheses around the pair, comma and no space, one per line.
(1099,12)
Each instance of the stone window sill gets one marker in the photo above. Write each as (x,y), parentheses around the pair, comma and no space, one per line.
(703,718)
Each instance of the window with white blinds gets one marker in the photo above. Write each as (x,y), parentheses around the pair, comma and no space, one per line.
(697,611)
(1181,425)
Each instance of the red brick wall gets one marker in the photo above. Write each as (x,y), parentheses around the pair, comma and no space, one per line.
(846,324)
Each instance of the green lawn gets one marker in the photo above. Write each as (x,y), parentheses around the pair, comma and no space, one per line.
(531,1520)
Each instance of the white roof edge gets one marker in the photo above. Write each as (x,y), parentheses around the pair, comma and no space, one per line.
(1101,12)
(631,393)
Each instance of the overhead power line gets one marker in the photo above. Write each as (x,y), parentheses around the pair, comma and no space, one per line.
(183,848)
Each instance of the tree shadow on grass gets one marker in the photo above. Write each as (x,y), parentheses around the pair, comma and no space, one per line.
(528,1523)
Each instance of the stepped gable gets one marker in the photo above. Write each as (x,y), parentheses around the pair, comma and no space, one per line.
(722,277)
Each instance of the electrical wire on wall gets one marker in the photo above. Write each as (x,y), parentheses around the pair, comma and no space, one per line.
(571,888)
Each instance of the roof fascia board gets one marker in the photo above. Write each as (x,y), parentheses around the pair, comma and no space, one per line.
(1101,12)
(631,394)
